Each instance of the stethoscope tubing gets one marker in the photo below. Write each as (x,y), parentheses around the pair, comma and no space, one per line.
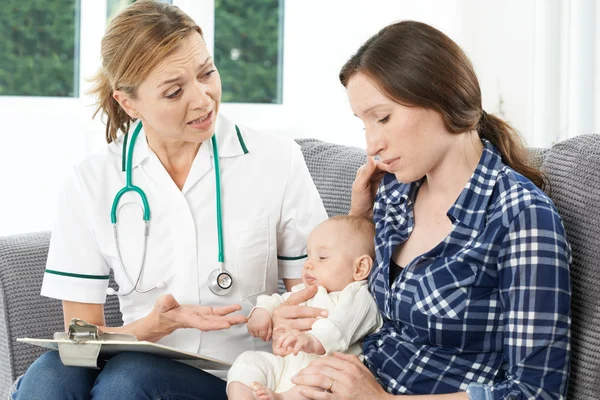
(221,254)
(129,187)
(134,287)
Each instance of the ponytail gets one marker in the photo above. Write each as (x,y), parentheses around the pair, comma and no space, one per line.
(511,147)
(116,118)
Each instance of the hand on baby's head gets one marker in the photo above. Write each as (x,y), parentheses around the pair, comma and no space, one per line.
(340,251)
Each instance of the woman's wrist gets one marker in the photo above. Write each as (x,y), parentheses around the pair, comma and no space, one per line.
(144,329)
(153,326)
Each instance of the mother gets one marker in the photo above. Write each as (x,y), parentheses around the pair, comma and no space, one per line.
(472,268)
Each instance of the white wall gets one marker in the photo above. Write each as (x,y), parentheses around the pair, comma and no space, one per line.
(499,40)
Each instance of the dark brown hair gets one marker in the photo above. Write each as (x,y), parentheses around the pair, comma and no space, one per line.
(415,64)
(136,41)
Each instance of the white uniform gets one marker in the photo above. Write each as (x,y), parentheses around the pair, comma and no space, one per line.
(269,206)
(353,314)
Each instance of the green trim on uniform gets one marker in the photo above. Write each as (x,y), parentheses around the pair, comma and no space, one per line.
(291,258)
(239,135)
(49,271)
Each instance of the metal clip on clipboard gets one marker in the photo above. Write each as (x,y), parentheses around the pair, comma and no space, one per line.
(84,343)
(81,331)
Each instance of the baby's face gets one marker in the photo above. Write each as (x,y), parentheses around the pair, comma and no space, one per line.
(332,254)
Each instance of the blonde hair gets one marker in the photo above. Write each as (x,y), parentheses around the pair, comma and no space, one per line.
(135,42)
(360,226)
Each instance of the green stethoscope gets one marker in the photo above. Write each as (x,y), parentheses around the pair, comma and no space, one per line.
(219,280)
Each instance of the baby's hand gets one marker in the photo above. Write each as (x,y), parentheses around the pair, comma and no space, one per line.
(260,324)
(277,333)
(293,342)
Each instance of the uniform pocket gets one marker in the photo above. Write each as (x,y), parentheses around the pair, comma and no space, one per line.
(251,255)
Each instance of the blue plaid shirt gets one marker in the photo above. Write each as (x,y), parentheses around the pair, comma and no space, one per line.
(486,309)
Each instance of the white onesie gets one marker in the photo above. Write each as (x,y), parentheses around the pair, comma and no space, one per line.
(353,314)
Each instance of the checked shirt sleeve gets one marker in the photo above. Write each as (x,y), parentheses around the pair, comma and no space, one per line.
(535,292)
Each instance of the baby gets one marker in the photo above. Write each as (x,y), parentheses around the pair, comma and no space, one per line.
(340,257)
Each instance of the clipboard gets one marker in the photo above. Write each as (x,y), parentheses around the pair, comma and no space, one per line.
(84,345)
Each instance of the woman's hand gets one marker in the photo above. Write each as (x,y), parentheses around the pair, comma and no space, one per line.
(340,376)
(289,315)
(364,188)
(168,315)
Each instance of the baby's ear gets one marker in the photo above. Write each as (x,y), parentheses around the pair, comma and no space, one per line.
(362,267)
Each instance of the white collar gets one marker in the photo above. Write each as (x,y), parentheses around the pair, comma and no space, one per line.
(231,142)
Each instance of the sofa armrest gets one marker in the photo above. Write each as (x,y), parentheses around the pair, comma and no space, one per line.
(23,312)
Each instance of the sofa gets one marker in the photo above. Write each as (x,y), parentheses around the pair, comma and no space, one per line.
(573,170)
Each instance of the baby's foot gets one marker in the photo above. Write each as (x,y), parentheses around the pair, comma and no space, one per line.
(261,392)
(264,393)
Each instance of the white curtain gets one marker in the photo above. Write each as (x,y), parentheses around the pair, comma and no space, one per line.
(566,86)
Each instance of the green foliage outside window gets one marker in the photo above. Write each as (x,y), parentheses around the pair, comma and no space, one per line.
(39,42)
(248,49)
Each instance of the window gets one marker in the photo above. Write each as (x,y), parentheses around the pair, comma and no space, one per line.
(249,50)
(113,7)
(39,50)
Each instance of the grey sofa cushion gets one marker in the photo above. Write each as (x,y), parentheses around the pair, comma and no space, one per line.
(573,168)
(537,156)
(333,168)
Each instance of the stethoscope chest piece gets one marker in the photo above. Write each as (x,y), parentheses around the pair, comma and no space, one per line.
(220,282)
